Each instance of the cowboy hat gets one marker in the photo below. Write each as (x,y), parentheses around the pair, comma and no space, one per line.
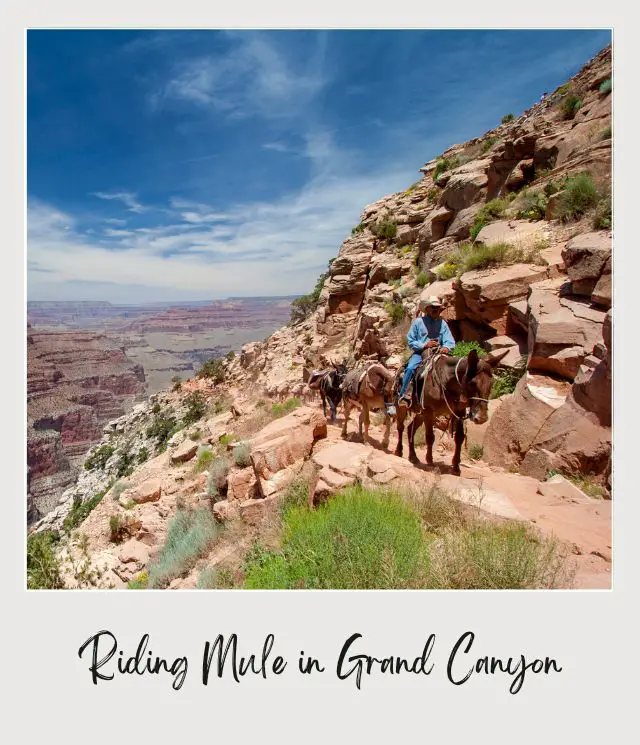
(432,300)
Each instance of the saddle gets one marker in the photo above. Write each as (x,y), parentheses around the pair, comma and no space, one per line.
(316,378)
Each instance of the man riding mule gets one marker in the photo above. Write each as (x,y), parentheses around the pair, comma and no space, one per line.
(368,388)
(427,332)
(446,387)
(328,382)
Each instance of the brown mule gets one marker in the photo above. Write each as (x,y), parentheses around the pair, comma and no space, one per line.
(368,388)
(453,384)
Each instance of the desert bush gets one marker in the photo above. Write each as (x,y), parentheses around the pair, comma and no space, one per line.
(303,306)
(121,527)
(489,212)
(506,380)
(396,312)
(155,409)
(488,144)
(570,105)
(462,349)
(204,458)
(80,510)
(141,582)
(217,482)
(475,451)
(196,408)
(191,534)
(177,383)
(422,280)
(412,188)
(507,118)
(533,205)
(117,489)
(578,196)
(605,87)
(606,133)
(195,435)
(43,566)
(602,215)
(433,193)
(448,270)
(230,355)
(163,426)
(214,370)
(126,461)
(385,227)
(242,455)
(480,257)
(359,228)
(497,556)
(551,187)
(143,454)
(359,539)
(207,579)
(99,457)
(445,164)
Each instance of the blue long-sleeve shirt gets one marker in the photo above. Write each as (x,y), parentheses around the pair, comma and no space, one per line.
(425,328)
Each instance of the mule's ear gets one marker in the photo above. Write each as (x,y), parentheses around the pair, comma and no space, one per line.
(493,359)
(472,364)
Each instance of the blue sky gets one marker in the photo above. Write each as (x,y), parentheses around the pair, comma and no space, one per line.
(188,165)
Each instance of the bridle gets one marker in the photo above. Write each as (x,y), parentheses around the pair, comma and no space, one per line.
(469,398)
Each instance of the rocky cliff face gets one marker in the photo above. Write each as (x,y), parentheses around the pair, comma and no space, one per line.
(76,381)
(547,297)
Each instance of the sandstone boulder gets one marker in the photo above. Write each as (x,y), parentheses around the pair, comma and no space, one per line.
(562,331)
(520,233)
(601,294)
(466,185)
(585,258)
(184,452)
(147,491)
(406,234)
(460,227)
(242,485)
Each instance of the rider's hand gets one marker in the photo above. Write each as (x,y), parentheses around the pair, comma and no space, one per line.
(444,350)
(431,343)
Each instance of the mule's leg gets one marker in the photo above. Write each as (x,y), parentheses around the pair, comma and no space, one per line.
(365,419)
(387,428)
(459,439)
(413,427)
(332,406)
(346,411)
(324,403)
(429,435)
(400,417)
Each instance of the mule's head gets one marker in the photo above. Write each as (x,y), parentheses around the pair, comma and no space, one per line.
(476,384)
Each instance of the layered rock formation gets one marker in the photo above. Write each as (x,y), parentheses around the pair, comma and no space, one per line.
(76,381)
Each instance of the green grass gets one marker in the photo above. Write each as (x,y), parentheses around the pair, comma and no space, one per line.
(481,257)
(190,535)
(579,195)
(286,407)
(533,204)
(207,579)
(506,380)
(606,133)
(225,439)
(360,539)
(489,212)
(80,510)
(475,451)
(378,539)
(584,482)
(204,458)
(462,349)
(422,280)
(488,144)
(43,566)
(445,164)
(605,87)
(396,312)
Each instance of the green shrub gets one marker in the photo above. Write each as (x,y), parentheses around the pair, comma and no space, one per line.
(533,205)
(141,582)
(507,118)
(462,349)
(242,455)
(488,144)
(214,370)
(480,257)
(396,311)
(155,409)
(143,454)
(445,164)
(204,458)
(230,355)
(570,106)
(506,380)
(385,228)
(359,228)
(578,196)
(117,489)
(606,133)
(125,463)
(196,407)
(295,495)
(500,557)
(120,528)
(422,280)
(475,451)
(99,457)
(195,435)
(191,534)
(217,482)
(448,270)
(489,212)
(207,579)
(360,539)
(161,429)
(43,566)
(278,410)
(225,439)
(80,510)
(550,188)
(177,383)
(605,87)
(433,193)
(602,215)
(412,188)
(303,306)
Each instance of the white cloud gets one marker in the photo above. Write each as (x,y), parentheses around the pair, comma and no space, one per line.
(129,199)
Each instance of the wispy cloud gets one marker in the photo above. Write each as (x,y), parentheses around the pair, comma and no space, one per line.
(127,198)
